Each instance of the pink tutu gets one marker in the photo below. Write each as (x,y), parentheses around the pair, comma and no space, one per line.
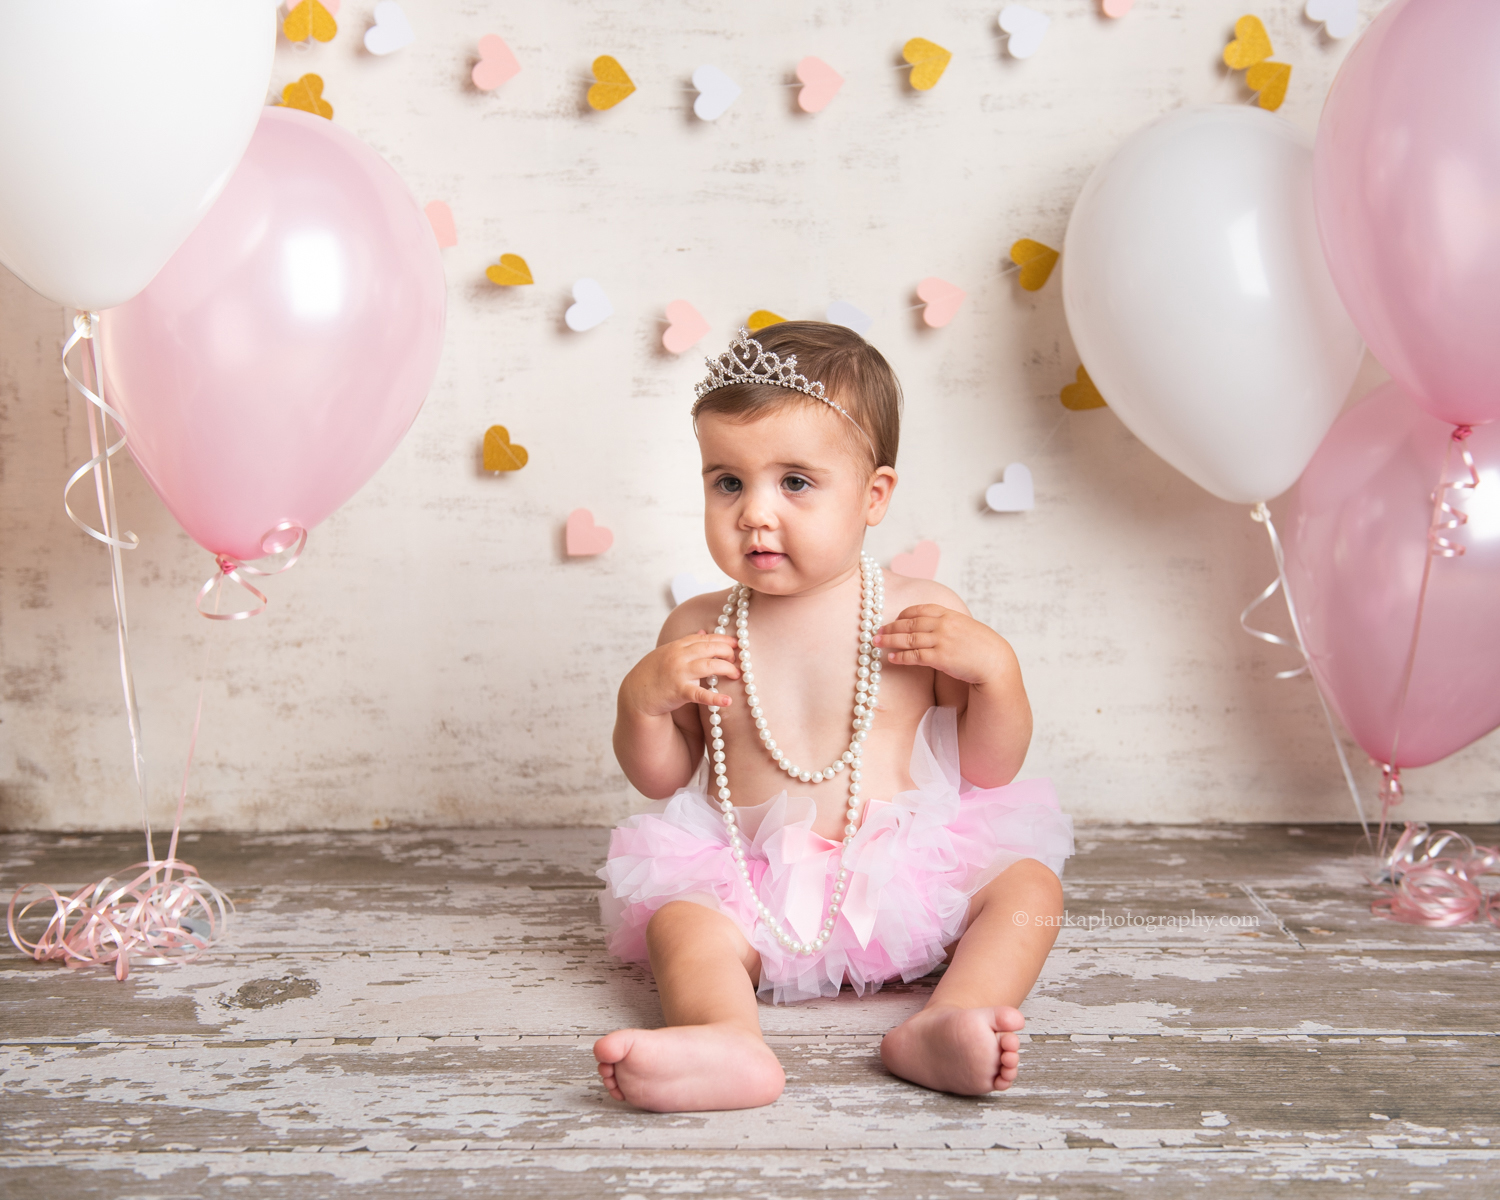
(913,865)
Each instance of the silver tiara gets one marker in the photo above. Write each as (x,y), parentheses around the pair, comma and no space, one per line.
(746,361)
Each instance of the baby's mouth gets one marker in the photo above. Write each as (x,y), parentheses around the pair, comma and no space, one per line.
(765,560)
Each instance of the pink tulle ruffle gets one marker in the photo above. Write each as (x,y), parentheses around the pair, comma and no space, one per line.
(914,864)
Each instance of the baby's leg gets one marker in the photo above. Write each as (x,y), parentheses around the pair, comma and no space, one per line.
(965,1040)
(711,1054)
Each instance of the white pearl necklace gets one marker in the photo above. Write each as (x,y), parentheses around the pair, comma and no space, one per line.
(866,689)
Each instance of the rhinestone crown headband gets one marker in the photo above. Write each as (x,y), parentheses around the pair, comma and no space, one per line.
(747,361)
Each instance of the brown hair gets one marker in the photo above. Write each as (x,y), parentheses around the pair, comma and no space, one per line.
(851,370)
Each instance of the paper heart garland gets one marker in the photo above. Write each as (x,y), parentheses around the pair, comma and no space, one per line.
(820,84)
(716,92)
(1036,262)
(1269,80)
(391,31)
(1025,26)
(309,19)
(1014,492)
(1082,395)
(686,327)
(921,563)
(590,307)
(1251,44)
(940,300)
(613,86)
(307,94)
(496,63)
(841,312)
(584,537)
(1338,17)
(502,454)
(510,271)
(686,585)
(760,318)
(928,62)
(1117,8)
(440,217)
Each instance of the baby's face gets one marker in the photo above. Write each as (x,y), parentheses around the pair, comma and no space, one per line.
(786,498)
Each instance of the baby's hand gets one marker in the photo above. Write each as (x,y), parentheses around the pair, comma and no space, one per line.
(929,635)
(668,677)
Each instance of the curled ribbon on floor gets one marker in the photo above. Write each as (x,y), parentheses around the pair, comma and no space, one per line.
(166,912)
(1432,879)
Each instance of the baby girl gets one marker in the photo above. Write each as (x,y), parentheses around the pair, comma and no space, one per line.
(836,796)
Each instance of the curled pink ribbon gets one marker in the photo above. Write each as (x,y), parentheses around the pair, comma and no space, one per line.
(166,913)
(287,540)
(1432,879)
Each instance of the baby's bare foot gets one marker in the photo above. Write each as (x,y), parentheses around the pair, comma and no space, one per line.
(689,1068)
(969,1051)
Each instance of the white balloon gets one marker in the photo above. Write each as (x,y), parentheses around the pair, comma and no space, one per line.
(1200,303)
(120,122)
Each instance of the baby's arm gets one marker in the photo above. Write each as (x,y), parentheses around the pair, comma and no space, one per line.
(658,737)
(977,673)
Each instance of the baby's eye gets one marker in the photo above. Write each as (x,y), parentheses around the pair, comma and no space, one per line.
(727,484)
(795,483)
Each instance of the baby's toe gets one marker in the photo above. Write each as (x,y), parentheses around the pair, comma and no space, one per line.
(1010,1041)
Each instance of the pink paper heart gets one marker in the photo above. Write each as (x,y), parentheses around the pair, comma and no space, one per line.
(820,84)
(496,63)
(687,327)
(941,298)
(440,217)
(1117,8)
(584,537)
(921,563)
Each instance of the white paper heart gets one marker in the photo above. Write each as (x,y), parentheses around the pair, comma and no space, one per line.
(841,312)
(1338,17)
(686,585)
(1014,493)
(391,31)
(1025,26)
(716,92)
(590,306)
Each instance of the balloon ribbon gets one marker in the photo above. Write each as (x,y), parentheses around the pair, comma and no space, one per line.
(166,912)
(1423,885)
(1262,514)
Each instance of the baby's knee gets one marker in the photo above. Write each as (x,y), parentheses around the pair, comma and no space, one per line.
(1032,885)
(677,921)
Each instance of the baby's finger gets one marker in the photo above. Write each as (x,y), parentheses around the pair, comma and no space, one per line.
(923,610)
(702,668)
(702,695)
(906,640)
(925,657)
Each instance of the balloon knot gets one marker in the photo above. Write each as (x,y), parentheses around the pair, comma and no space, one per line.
(226,564)
(1461,433)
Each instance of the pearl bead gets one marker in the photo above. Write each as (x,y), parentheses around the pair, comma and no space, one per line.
(862,734)
(843,875)
(805,776)
(718,756)
(863,672)
(847,756)
(718,743)
(856,775)
(723,793)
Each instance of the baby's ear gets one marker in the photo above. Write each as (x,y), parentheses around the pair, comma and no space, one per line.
(882,484)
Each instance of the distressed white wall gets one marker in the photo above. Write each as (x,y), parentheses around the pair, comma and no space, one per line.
(435,660)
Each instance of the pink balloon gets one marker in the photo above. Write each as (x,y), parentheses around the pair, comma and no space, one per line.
(284,350)
(1407,185)
(1356,544)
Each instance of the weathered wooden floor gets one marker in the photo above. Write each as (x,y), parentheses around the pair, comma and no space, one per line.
(410,1015)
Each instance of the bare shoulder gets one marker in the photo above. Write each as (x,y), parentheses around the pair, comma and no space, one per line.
(699,612)
(902,593)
